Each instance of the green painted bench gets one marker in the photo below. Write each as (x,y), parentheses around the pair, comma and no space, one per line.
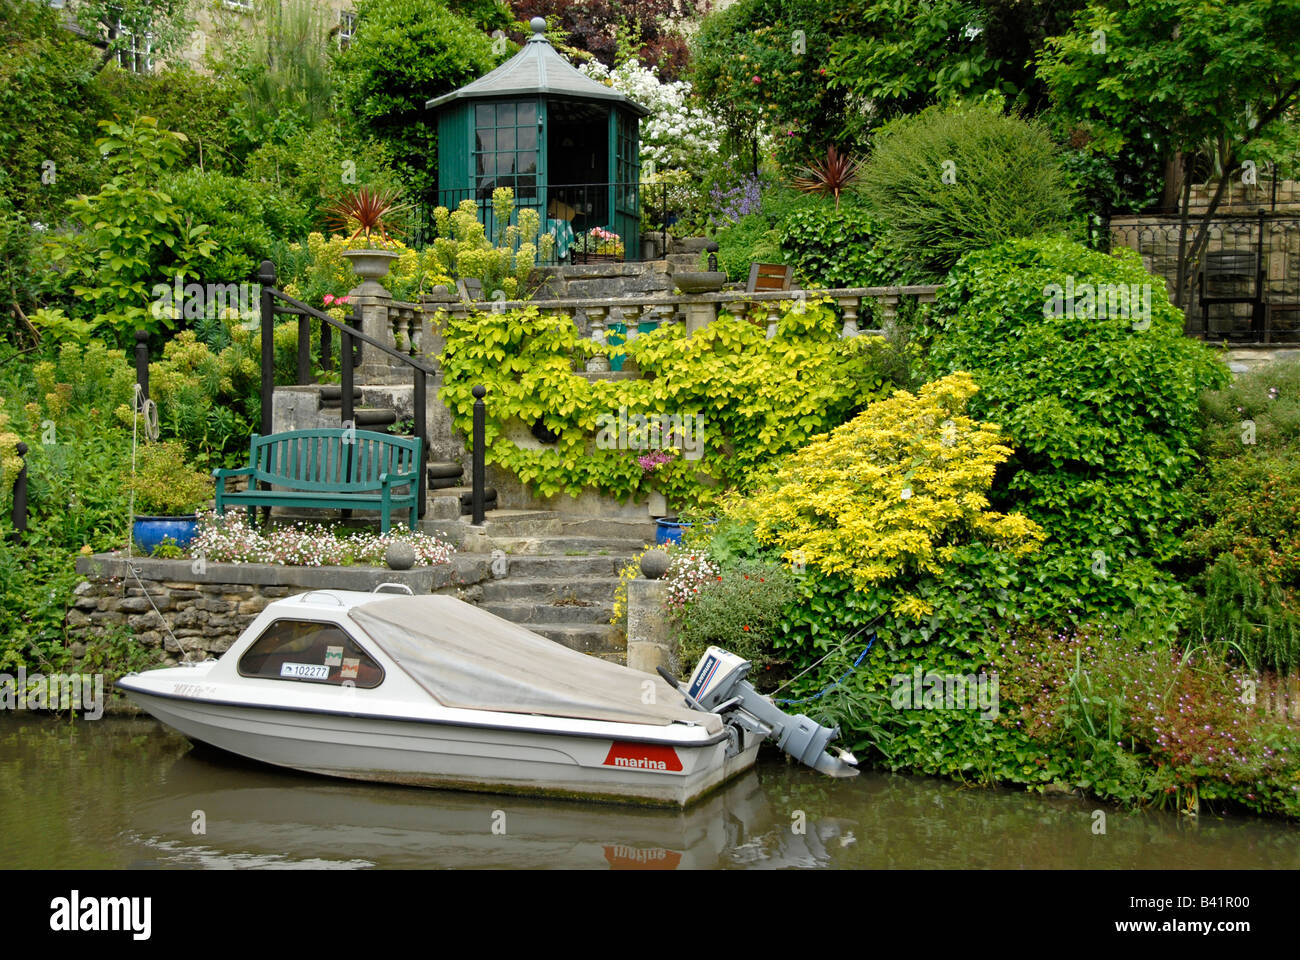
(343,469)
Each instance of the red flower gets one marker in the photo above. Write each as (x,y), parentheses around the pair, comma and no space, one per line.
(719,578)
(745,627)
(757,79)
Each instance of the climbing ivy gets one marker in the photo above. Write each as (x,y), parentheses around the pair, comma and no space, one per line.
(755,398)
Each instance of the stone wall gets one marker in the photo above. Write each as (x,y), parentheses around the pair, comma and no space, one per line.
(199,611)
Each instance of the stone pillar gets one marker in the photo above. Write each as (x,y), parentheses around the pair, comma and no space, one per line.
(699,314)
(598,363)
(850,307)
(649,644)
(432,338)
(373,304)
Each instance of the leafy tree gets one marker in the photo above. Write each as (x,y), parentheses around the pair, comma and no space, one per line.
(404,53)
(900,56)
(123,23)
(1217,77)
(648,28)
(762,65)
(131,234)
(49,99)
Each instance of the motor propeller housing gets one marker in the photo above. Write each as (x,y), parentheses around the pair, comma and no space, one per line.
(718,685)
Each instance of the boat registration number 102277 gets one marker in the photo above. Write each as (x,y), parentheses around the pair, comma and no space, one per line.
(305,671)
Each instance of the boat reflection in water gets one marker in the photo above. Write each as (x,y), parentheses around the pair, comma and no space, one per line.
(256,816)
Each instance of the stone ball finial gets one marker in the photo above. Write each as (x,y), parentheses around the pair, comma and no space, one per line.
(538,24)
(654,564)
(400,556)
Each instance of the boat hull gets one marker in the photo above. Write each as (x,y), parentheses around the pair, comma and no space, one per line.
(428,753)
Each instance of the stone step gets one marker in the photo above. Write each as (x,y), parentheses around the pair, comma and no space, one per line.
(373,416)
(560,567)
(331,394)
(594,589)
(609,527)
(567,546)
(597,639)
(531,614)
(462,491)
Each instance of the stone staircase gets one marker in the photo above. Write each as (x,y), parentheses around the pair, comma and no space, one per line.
(555,575)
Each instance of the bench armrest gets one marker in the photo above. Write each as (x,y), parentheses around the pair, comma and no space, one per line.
(232,472)
(219,477)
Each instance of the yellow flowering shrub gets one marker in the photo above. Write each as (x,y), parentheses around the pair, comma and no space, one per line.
(895,489)
(321,269)
(10,462)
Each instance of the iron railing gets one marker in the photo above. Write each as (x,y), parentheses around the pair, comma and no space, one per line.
(1245,286)
(277,303)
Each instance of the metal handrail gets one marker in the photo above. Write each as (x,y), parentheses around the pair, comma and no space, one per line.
(347,360)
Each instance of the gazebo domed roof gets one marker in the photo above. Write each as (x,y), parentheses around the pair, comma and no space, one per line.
(535,70)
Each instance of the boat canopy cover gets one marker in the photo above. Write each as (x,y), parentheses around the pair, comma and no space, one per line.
(466,657)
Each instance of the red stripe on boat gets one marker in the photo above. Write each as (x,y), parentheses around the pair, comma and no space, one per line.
(642,756)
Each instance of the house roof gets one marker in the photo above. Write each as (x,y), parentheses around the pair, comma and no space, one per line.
(535,70)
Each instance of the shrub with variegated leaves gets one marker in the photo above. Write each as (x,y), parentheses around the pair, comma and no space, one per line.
(899,488)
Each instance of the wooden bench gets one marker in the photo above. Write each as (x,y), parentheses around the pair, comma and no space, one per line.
(341,469)
(769,276)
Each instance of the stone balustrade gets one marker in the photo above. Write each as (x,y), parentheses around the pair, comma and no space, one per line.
(594,317)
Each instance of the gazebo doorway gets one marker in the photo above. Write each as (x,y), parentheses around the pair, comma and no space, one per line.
(578,189)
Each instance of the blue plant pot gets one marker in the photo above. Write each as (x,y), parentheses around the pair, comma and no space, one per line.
(148,532)
(669,531)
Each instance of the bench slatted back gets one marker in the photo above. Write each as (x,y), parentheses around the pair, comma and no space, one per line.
(321,460)
(769,276)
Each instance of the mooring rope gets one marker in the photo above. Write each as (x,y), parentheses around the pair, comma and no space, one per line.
(825,690)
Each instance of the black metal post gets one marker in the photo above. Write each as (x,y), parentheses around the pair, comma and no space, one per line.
(345,359)
(423,434)
(304,349)
(266,274)
(326,345)
(20,494)
(663,196)
(478,469)
(142,361)
(1258,314)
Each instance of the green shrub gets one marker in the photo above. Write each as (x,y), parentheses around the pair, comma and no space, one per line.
(404,53)
(131,233)
(1103,410)
(244,219)
(164,484)
(739,611)
(1006,183)
(838,248)
(1243,547)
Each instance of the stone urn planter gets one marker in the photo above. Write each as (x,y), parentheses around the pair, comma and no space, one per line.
(370,264)
(700,282)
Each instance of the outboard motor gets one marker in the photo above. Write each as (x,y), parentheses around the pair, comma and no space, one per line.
(718,685)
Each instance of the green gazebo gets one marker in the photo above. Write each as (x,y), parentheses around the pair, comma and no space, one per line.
(568,145)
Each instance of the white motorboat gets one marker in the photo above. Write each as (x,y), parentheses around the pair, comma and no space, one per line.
(432,691)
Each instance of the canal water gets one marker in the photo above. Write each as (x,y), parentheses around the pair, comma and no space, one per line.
(128,793)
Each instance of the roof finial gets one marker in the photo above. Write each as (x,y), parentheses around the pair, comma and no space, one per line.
(538,24)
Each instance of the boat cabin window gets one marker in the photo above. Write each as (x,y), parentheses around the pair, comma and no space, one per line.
(310,652)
